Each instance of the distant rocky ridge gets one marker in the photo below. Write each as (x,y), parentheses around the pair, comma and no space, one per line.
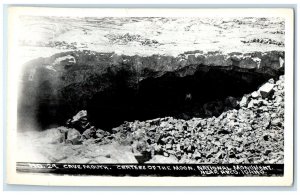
(145,36)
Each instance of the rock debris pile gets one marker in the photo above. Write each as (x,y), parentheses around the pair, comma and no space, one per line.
(251,133)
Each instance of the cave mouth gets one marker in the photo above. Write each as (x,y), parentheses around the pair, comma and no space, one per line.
(171,95)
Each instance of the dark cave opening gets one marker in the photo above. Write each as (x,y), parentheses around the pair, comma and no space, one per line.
(171,95)
(118,88)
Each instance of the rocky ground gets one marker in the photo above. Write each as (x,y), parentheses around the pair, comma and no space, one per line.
(45,36)
(251,133)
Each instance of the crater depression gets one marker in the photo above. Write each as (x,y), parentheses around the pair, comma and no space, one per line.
(116,88)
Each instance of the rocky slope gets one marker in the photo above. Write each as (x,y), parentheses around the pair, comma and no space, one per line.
(252,133)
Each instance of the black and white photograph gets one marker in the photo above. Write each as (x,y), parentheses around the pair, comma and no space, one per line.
(151,93)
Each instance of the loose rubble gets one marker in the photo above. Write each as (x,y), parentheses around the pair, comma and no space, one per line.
(250,132)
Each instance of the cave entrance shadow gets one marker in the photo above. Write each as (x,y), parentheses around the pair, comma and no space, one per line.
(171,95)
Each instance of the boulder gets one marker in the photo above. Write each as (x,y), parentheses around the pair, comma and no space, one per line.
(244,102)
(89,133)
(255,95)
(169,146)
(266,90)
(252,103)
(74,137)
(101,133)
(81,115)
(60,135)
(276,122)
(79,121)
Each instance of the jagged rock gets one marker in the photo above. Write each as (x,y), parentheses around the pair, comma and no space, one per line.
(178,147)
(244,101)
(139,134)
(254,95)
(89,133)
(168,146)
(231,124)
(264,120)
(262,102)
(266,90)
(79,121)
(273,115)
(117,129)
(81,115)
(276,122)
(100,133)
(63,129)
(74,137)
(157,148)
(252,103)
